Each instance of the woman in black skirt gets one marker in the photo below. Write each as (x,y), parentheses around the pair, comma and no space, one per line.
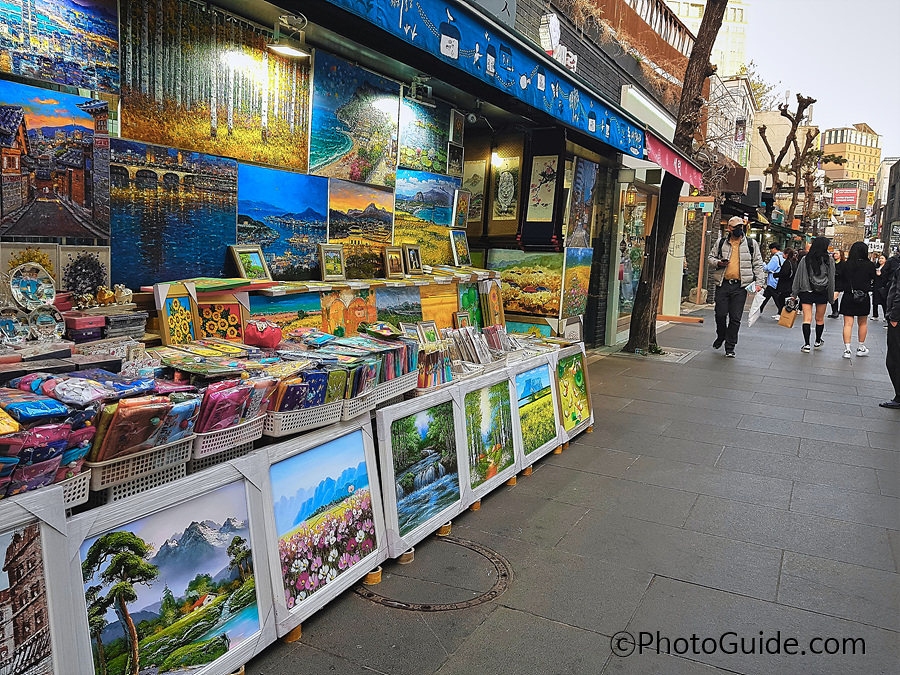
(839,259)
(814,286)
(856,274)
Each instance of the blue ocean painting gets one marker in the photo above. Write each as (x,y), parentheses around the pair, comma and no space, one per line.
(426,196)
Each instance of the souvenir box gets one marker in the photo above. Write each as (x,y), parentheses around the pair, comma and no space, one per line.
(80,320)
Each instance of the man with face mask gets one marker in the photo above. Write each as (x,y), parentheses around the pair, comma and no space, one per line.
(736,262)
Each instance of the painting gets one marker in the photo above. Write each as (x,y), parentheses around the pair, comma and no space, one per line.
(491,302)
(286,214)
(426,473)
(83,268)
(537,412)
(331,262)
(354,125)
(249,262)
(489,433)
(424,134)
(471,303)
(423,207)
(455,155)
(289,312)
(542,191)
(461,201)
(361,218)
(457,127)
(428,332)
(46,255)
(439,303)
(178,318)
(174,590)
(584,179)
(173,213)
(343,310)
(398,305)
(474,174)
(574,396)
(393,262)
(531,281)
(55,180)
(505,195)
(412,259)
(576,277)
(459,244)
(528,328)
(50,40)
(461,320)
(223,315)
(197,78)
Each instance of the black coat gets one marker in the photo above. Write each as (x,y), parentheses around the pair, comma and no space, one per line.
(785,276)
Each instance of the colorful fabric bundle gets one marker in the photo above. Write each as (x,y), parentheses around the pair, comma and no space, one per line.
(223,404)
(180,422)
(133,426)
(121,385)
(26,407)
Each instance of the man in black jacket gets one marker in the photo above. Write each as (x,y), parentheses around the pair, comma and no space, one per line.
(893,337)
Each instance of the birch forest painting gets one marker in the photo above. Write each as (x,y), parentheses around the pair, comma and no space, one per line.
(198,79)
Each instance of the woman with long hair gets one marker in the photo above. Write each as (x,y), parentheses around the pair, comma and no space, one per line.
(879,288)
(785,278)
(856,275)
(839,259)
(814,286)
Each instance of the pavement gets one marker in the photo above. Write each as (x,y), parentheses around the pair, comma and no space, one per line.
(749,502)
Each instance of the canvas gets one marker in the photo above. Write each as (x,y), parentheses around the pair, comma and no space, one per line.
(461,202)
(542,191)
(505,186)
(459,244)
(576,277)
(584,178)
(574,396)
(229,96)
(250,262)
(424,133)
(185,575)
(173,219)
(361,218)
(343,310)
(289,312)
(56,152)
(471,303)
(286,214)
(455,154)
(423,213)
(223,315)
(489,433)
(396,305)
(531,281)
(439,303)
(474,174)
(528,328)
(354,122)
(180,320)
(72,259)
(537,411)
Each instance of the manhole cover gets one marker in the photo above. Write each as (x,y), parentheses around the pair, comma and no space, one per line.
(504,575)
(672,355)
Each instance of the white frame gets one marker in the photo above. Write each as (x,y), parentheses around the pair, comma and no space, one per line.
(523,367)
(46,508)
(589,422)
(288,619)
(473,494)
(385,417)
(246,470)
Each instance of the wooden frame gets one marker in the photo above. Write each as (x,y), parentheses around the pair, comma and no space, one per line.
(180,300)
(411,330)
(461,319)
(393,254)
(240,263)
(412,259)
(422,327)
(327,250)
(461,201)
(459,155)
(233,331)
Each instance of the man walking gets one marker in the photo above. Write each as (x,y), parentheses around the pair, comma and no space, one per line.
(773,267)
(892,315)
(736,262)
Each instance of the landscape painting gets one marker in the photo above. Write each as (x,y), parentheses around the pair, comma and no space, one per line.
(473,182)
(424,133)
(344,310)
(574,397)
(175,590)
(542,191)
(289,312)
(439,303)
(471,303)
(576,277)
(396,305)
(423,209)
(286,214)
(537,416)
(354,124)
(198,78)
(426,473)
(24,620)
(527,328)
(173,213)
(488,432)
(531,281)
(361,218)
(55,178)
(584,178)
(323,515)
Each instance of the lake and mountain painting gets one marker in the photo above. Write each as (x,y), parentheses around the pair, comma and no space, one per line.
(396,305)
(323,515)
(423,210)
(584,178)
(173,591)
(489,437)
(289,312)
(426,474)
(531,281)
(361,218)
(535,403)
(473,182)
(286,214)
(173,213)
(424,134)
(354,123)
(576,277)
(573,393)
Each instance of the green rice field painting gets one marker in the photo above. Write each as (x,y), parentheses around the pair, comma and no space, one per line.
(535,402)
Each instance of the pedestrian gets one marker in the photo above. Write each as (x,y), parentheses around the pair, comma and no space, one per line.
(879,288)
(838,261)
(736,262)
(776,260)
(856,275)
(785,278)
(892,361)
(814,286)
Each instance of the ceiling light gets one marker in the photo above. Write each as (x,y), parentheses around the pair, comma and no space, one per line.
(286,46)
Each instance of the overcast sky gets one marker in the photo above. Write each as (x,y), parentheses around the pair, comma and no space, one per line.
(843,54)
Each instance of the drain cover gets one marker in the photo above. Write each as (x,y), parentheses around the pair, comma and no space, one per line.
(501,566)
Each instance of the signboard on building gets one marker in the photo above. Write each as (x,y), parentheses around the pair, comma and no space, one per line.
(740,132)
(845,196)
(661,155)
(870,198)
(872,183)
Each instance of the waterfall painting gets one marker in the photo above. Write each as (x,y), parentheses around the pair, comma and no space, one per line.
(426,474)
(489,435)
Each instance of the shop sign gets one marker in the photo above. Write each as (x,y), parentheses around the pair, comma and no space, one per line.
(466,40)
(870,198)
(845,196)
(660,154)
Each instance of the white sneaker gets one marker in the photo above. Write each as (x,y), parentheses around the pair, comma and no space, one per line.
(777,316)
(847,353)
(862,351)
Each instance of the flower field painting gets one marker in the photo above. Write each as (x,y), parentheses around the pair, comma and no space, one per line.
(323,515)
(574,397)
(361,219)
(426,473)
(531,282)
(537,416)
(424,133)
(489,437)
(576,277)
(423,213)
(289,312)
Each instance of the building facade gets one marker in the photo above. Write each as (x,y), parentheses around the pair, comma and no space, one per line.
(890,231)
(730,50)
(860,147)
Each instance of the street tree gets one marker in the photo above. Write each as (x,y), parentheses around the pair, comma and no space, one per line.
(762,89)
(776,160)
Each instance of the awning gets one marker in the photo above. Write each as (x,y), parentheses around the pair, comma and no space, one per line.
(665,155)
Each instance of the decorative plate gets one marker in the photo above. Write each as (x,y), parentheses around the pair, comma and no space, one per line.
(31,286)
(46,323)
(14,328)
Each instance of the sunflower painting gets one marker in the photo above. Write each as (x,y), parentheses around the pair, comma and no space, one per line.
(221,320)
(180,320)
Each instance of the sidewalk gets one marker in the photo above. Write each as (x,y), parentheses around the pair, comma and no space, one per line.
(714,496)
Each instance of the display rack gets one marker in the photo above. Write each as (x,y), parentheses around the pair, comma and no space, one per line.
(121,470)
(210,443)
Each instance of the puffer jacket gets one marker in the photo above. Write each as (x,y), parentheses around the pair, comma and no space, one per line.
(752,268)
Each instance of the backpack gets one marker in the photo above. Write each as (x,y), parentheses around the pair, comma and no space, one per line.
(818,283)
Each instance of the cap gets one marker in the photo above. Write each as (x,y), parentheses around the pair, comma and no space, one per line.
(735,220)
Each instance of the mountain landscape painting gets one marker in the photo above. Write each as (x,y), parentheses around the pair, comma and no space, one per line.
(174,590)
(323,515)
(396,305)
(286,214)
(361,218)
(535,402)
(473,181)
(423,209)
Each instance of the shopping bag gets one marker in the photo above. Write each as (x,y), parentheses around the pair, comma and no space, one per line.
(787,318)
(758,300)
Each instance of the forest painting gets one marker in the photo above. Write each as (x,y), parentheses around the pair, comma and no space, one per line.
(396,305)
(573,393)
(488,432)
(354,123)
(424,133)
(531,281)
(535,403)
(194,77)
(174,590)
(576,276)
(361,218)
(423,209)
(584,178)
(426,473)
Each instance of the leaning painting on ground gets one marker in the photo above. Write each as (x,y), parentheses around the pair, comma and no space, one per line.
(488,432)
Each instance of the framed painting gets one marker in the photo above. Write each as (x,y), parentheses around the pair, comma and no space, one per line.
(542,189)
(455,154)
(187,562)
(581,212)
(474,175)
(576,278)
(470,302)
(461,320)
(361,218)
(393,262)
(84,267)
(289,312)
(574,391)
(459,243)
(529,325)
(398,304)
(177,307)
(250,262)
(531,280)
(331,260)
(223,315)
(457,126)
(424,133)
(423,211)
(412,257)
(505,189)
(46,255)
(461,201)
(410,330)
(428,332)
(491,302)
(418,450)
(536,417)
(324,517)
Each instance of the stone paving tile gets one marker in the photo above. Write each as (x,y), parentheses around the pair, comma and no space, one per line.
(742,438)
(680,412)
(637,443)
(854,507)
(819,432)
(591,459)
(884,426)
(658,664)
(804,405)
(884,441)
(298,658)
(888,482)
(854,455)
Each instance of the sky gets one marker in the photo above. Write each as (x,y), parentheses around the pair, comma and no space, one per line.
(344,195)
(45,108)
(307,469)
(843,54)
(285,190)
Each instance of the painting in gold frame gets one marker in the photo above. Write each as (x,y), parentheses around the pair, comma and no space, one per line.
(331,260)
(250,261)
(393,262)
(412,258)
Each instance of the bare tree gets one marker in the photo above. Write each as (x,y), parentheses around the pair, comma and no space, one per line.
(795,118)
(798,164)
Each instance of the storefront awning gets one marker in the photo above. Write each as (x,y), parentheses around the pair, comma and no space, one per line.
(665,155)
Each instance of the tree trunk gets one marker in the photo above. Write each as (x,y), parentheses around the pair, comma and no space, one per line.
(145,50)
(214,89)
(101,657)
(179,55)
(131,634)
(646,299)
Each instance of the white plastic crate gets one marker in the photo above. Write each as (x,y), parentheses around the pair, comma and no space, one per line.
(399,385)
(137,485)
(75,489)
(195,465)
(354,407)
(218,441)
(122,469)
(294,421)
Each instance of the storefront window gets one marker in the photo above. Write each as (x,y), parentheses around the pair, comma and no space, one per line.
(637,217)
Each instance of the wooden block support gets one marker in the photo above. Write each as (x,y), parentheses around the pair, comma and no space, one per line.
(475,506)
(528,471)
(373,577)
(407,557)
(679,319)
(511,481)
(589,430)
(558,450)
(293,636)
(444,530)
(565,445)
(239,672)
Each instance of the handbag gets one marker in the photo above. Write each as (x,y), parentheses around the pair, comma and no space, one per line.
(262,334)
(858,296)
